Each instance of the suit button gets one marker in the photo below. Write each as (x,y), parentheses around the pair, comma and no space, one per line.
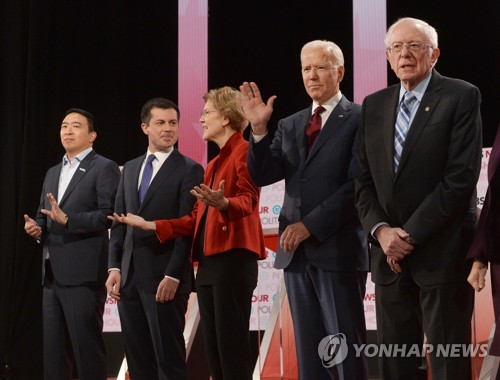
(224,228)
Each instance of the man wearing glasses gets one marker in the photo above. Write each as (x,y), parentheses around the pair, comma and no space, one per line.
(419,161)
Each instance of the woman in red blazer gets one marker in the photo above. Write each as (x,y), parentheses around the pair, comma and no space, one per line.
(228,238)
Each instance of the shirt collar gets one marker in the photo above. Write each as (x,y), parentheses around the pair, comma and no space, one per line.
(161,156)
(329,104)
(79,157)
(418,91)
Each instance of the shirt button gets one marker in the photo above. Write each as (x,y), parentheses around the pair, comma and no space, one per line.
(224,228)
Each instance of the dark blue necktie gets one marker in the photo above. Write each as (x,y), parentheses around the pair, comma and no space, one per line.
(147,174)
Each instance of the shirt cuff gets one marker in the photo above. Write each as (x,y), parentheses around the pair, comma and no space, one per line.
(173,278)
(374,228)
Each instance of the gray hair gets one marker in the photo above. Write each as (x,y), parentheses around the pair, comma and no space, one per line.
(428,30)
(332,48)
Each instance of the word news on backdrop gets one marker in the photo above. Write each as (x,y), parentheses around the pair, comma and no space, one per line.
(333,349)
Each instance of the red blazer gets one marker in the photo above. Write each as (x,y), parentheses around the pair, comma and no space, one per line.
(237,227)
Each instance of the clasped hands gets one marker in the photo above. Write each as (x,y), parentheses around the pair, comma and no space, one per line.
(393,241)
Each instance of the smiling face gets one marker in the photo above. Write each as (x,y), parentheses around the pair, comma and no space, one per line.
(162,129)
(411,67)
(75,134)
(320,73)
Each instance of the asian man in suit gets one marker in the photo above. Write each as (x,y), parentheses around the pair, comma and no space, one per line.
(152,281)
(77,196)
(322,248)
(419,161)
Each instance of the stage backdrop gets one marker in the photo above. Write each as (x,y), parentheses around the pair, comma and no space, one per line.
(269,278)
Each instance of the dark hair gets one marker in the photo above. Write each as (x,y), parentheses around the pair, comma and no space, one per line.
(157,103)
(90,118)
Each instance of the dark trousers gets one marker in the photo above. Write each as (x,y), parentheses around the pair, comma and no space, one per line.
(72,330)
(443,312)
(153,334)
(324,303)
(224,318)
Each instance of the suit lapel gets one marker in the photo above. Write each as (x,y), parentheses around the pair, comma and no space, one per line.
(300,132)
(427,106)
(82,169)
(388,126)
(339,114)
(53,181)
(165,171)
(133,183)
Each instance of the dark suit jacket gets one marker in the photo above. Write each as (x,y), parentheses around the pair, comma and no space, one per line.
(482,246)
(485,245)
(78,252)
(168,196)
(432,196)
(319,187)
(239,226)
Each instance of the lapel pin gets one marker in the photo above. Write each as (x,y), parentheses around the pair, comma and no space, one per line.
(341,115)
(82,169)
(427,109)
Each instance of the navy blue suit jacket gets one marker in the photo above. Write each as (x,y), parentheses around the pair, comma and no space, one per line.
(167,197)
(319,187)
(79,251)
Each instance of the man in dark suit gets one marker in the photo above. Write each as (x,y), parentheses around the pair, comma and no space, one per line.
(77,196)
(152,281)
(485,247)
(419,161)
(322,247)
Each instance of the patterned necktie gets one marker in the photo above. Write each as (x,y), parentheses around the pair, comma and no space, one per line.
(314,127)
(147,174)
(402,126)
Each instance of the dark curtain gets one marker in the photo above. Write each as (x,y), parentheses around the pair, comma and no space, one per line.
(110,56)
(107,57)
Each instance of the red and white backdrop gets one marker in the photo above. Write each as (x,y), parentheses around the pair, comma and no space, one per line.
(369,75)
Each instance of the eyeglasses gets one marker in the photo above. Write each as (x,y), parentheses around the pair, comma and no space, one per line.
(397,47)
(205,113)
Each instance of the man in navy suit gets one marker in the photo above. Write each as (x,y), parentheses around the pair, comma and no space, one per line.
(77,196)
(152,281)
(415,194)
(322,247)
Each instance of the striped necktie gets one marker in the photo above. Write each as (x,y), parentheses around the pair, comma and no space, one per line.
(402,126)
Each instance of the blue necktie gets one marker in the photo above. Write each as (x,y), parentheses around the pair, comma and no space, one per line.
(147,174)
(402,126)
